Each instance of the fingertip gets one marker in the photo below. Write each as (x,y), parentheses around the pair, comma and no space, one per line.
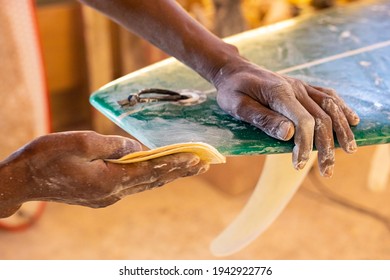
(327,172)
(351,147)
(204,168)
(299,161)
(300,165)
(354,120)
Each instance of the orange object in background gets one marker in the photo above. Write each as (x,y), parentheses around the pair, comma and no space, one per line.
(23,91)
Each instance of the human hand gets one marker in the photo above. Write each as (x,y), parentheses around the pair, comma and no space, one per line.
(284,107)
(69,167)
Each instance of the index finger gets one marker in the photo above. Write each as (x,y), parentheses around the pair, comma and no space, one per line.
(352,117)
(156,171)
(291,108)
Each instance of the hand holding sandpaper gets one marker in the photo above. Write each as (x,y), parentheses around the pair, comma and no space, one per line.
(75,168)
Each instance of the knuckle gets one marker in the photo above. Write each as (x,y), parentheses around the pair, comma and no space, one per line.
(329,104)
(308,122)
(323,122)
(279,94)
(298,84)
(279,87)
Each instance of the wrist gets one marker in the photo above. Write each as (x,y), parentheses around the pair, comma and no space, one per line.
(233,64)
(218,60)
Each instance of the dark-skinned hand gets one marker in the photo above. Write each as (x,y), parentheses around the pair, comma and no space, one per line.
(284,107)
(70,167)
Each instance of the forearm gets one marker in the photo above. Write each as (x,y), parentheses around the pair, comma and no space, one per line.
(166,25)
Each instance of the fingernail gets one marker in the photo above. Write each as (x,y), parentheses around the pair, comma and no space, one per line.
(328,171)
(299,161)
(300,165)
(356,119)
(351,147)
(285,131)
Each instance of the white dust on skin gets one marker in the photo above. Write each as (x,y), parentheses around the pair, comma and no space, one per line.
(343,138)
(159,166)
(326,155)
(304,130)
(65,187)
(158,175)
(300,158)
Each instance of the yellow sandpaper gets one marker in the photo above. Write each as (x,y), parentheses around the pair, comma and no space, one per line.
(205,152)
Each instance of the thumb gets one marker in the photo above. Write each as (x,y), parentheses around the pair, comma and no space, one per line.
(112,146)
(245,108)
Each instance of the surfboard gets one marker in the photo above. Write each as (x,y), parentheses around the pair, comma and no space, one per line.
(344,48)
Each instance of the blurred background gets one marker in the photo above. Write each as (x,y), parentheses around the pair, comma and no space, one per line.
(339,218)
